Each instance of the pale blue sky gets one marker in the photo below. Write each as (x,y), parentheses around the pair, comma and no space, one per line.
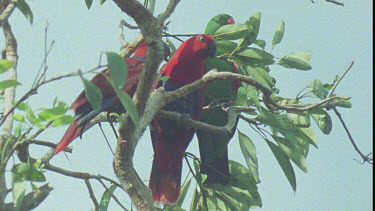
(336,36)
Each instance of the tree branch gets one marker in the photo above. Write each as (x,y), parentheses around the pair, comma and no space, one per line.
(92,195)
(151,28)
(9,96)
(5,14)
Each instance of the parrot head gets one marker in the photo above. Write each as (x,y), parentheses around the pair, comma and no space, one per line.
(218,21)
(200,47)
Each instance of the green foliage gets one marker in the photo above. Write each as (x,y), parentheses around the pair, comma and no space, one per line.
(5,65)
(241,193)
(117,79)
(279,34)
(21,173)
(117,68)
(232,31)
(250,155)
(8,83)
(88,3)
(284,163)
(106,197)
(40,117)
(291,130)
(93,93)
(25,10)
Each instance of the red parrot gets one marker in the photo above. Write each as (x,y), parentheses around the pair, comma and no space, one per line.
(170,139)
(84,111)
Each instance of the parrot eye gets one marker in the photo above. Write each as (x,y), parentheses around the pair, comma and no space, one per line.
(219,17)
(202,38)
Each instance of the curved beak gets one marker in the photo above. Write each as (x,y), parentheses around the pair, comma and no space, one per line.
(230,21)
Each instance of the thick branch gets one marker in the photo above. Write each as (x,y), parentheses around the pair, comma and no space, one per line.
(188,122)
(9,95)
(7,11)
(151,28)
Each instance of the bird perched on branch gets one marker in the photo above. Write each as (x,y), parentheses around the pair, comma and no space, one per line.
(170,139)
(110,103)
(213,148)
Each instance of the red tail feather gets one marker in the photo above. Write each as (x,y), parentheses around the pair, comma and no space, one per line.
(71,133)
(165,185)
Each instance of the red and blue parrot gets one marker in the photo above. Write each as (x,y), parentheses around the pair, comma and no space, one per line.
(212,147)
(170,139)
(84,111)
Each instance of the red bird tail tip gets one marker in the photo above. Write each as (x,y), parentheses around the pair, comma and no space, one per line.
(71,133)
(165,186)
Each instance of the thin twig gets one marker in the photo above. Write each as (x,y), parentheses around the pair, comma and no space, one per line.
(365,158)
(338,81)
(92,195)
(335,2)
(47,144)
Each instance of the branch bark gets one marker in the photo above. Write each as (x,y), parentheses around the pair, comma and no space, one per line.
(9,96)
(151,28)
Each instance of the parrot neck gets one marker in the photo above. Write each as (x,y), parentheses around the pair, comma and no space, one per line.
(183,73)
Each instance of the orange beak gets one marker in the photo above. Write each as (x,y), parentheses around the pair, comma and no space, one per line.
(230,21)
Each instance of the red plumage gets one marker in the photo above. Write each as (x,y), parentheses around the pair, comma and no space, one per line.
(82,108)
(169,138)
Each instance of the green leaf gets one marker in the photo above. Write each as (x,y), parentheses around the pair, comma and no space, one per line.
(225,46)
(252,95)
(53,113)
(298,60)
(241,178)
(254,24)
(18,190)
(18,130)
(260,43)
(298,119)
(5,65)
(322,119)
(93,94)
(62,120)
(318,89)
(300,140)
(106,198)
(29,113)
(270,81)
(8,83)
(33,186)
(241,97)
(284,163)
(278,36)
(302,54)
(256,75)
(232,31)
(28,173)
(117,68)
(250,155)
(129,106)
(184,190)
(254,53)
(88,3)
(276,121)
(195,200)
(293,151)
(25,9)
(226,197)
